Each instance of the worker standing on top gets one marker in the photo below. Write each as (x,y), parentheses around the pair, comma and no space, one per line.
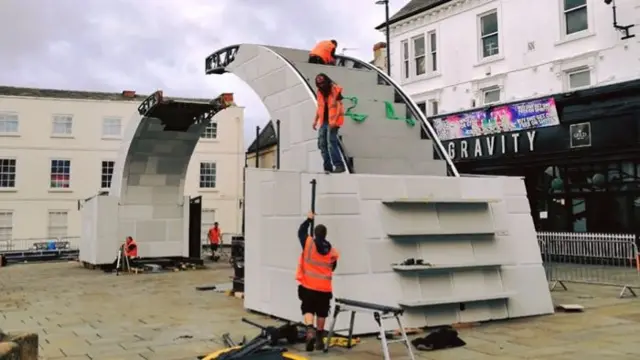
(315,269)
(324,53)
(329,118)
(214,236)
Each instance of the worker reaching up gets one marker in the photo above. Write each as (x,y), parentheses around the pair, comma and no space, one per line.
(315,269)
(324,53)
(329,118)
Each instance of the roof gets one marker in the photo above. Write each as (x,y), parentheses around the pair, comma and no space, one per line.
(78,95)
(414,7)
(266,139)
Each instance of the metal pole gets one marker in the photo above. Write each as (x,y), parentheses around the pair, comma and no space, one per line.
(257,146)
(386,16)
(313,204)
(244,190)
(278,144)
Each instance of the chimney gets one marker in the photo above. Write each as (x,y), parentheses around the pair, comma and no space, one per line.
(378,50)
(129,94)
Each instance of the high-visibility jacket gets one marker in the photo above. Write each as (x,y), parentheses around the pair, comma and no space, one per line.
(130,248)
(335,106)
(214,235)
(324,50)
(315,270)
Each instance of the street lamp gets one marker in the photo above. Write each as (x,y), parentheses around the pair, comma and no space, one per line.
(386,23)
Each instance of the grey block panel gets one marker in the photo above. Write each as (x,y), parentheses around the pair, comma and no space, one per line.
(351,206)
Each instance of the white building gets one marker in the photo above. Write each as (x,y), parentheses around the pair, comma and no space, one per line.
(452,55)
(58,147)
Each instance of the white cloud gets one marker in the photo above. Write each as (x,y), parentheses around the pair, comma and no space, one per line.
(146,45)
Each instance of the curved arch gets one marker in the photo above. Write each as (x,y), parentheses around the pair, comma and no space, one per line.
(359,79)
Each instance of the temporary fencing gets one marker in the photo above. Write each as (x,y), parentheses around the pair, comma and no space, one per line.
(591,258)
(36,249)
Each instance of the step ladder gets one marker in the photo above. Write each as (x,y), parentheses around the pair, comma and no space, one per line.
(380,312)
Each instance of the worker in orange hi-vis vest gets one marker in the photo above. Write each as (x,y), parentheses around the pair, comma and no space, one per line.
(214,235)
(316,265)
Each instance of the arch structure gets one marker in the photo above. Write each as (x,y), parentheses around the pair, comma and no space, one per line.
(146,198)
(283,79)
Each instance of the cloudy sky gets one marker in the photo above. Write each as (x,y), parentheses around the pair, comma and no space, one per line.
(144,45)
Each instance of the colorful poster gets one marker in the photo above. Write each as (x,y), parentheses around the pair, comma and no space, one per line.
(533,114)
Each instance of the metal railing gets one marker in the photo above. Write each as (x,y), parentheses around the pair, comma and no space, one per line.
(591,258)
(40,244)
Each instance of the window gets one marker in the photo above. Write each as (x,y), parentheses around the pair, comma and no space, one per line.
(57,224)
(491,95)
(208,218)
(210,132)
(207,175)
(489,35)
(7,173)
(579,79)
(111,127)
(419,55)
(62,125)
(405,59)
(423,107)
(433,53)
(575,16)
(60,174)
(433,107)
(9,124)
(6,228)
(106,174)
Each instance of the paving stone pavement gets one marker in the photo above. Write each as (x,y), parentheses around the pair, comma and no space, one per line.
(84,314)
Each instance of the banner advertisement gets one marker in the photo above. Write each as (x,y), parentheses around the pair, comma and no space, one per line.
(527,115)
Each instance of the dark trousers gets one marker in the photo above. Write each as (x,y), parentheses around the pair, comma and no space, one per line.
(328,145)
(314,59)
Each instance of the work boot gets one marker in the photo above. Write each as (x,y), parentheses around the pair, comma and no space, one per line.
(339,169)
(320,335)
(310,339)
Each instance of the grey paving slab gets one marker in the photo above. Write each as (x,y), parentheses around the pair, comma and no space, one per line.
(83,314)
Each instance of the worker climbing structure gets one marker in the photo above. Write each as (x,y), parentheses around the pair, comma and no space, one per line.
(472,239)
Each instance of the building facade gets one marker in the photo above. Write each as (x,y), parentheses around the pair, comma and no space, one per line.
(452,55)
(59,147)
(263,151)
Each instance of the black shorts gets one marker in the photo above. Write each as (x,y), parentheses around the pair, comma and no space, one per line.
(314,302)
(314,59)
(214,247)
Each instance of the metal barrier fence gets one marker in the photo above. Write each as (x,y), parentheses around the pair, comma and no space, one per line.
(38,244)
(591,258)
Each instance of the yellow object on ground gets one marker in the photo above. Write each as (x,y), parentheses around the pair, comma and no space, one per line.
(342,341)
(286,355)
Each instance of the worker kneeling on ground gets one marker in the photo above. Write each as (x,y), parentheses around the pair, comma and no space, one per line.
(315,269)
(329,118)
(130,248)
(324,53)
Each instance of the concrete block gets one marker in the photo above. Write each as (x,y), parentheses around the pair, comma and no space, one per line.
(370,226)
(517,205)
(380,187)
(151,231)
(338,204)
(429,168)
(152,180)
(434,188)
(287,186)
(513,186)
(383,253)
(521,243)
(480,187)
(527,281)
(376,166)
(436,286)
(446,251)
(410,219)
(464,218)
(136,212)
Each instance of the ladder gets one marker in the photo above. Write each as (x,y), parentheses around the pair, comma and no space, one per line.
(380,312)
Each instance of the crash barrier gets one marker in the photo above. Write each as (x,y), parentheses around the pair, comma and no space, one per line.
(40,249)
(591,258)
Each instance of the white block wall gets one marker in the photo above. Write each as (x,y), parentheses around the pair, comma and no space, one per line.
(350,206)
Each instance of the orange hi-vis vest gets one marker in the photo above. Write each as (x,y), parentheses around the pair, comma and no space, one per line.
(336,108)
(315,270)
(214,235)
(130,248)
(323,50)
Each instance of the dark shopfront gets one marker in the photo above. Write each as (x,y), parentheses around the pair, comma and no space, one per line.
(583,173)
